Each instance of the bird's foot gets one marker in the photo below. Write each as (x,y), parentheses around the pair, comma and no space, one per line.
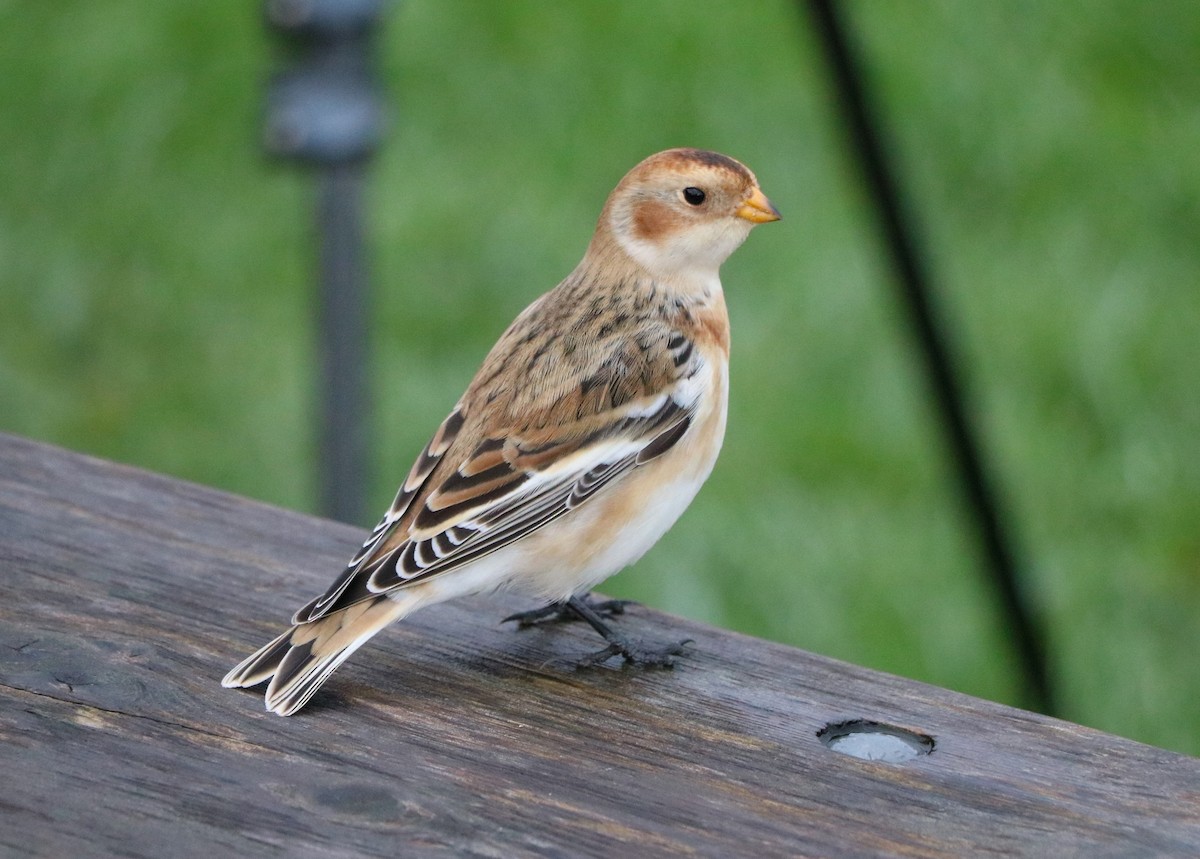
(561,612)
(636,654)
(582,608)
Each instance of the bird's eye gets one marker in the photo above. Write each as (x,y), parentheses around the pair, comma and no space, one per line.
(693,196)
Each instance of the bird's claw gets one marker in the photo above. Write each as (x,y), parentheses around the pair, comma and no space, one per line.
(562,613)
(663,657)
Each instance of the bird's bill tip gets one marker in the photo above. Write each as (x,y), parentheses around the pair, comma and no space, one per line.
(757,209)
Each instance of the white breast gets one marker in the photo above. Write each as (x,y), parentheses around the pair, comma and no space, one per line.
(620,525)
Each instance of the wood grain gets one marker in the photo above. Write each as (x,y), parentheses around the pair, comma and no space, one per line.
(124,596)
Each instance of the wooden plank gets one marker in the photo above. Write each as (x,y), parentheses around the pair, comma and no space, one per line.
(124,596)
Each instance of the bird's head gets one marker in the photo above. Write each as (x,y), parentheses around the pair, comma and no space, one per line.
(680,213)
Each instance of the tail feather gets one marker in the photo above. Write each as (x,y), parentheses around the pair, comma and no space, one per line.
(301,659)
(260,665)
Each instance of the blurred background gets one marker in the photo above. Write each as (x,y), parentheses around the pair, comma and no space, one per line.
(156,293)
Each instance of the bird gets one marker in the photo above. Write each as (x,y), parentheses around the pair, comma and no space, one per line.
(586,432)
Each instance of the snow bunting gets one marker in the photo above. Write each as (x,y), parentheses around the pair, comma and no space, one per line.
(585,434)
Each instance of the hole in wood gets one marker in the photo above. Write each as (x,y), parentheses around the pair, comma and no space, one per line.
(875,741)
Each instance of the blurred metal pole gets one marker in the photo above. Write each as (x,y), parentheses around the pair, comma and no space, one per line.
(323,110)
(345,401)
(913,278)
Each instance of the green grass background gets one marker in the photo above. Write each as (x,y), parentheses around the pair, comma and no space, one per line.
(156,298)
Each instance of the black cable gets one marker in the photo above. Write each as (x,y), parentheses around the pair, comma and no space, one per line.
(913,279)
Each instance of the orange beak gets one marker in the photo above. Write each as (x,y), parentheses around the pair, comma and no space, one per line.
(757,209)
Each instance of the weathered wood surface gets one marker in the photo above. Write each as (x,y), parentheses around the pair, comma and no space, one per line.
(124,596)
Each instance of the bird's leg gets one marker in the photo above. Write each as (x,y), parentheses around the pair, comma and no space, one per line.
(561,612)
(618,645)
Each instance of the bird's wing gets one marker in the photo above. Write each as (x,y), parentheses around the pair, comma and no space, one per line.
(508,484)
(418,477)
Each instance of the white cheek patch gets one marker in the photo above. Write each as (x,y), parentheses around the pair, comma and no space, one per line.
(646,253)
(700,249)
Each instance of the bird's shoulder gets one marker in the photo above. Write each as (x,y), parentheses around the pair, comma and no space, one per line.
(590,346)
